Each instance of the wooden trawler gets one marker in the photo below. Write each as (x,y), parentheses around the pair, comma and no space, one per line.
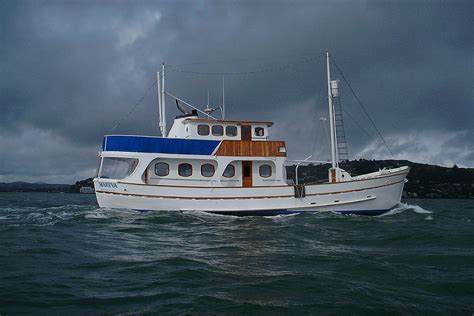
(230,167)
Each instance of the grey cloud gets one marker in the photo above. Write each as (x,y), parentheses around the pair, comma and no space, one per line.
(73,69)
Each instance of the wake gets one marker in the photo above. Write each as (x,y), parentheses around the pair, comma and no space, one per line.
(403,207)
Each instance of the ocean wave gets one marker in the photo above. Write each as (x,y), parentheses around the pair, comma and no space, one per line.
(403,207)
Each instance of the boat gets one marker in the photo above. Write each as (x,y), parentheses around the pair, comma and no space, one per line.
(230,167)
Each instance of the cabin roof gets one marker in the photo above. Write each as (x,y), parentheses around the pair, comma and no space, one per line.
(202,120)
(146,144)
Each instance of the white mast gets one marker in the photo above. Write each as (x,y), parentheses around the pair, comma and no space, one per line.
(163,107)
(223,98)
(158,84)
(334,159)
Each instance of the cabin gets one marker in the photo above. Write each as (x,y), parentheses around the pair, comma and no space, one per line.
(199,153)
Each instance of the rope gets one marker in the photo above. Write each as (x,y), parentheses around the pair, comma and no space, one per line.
(363,107)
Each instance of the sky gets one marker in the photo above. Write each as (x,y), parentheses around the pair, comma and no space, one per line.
(73,71)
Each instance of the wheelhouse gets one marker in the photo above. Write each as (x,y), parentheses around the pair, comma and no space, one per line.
(208,153)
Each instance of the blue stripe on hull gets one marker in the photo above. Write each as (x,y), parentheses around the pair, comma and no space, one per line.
(280,212)
(145,144)
(253,213)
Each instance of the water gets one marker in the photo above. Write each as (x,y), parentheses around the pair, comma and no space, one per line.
(60,253)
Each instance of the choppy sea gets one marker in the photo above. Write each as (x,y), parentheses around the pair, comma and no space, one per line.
(61,254)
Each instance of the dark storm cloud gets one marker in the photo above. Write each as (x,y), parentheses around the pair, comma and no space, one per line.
(71,70)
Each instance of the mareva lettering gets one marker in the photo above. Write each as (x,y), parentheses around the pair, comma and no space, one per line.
(108,185)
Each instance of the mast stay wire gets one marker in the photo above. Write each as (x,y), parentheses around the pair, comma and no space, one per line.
(170,69)
(362,106)
(242,60)
(262,70)
(349,115)
(134,107)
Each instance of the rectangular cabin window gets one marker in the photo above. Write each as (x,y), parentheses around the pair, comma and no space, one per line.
(203,129)
(162,169)
(117,168)
(265,171)
(259,131)
(185,169)
(207,170)
(217,130)
(229,171)
(231,131)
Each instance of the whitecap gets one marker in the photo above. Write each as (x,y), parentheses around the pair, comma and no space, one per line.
(281,216)
(402,207)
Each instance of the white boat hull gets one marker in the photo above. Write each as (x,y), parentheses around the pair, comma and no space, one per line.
(373,195)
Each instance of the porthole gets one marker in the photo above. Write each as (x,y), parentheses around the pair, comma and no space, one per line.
(217,130)
(229,171)
(207,170)
(162,169)
(265,171)
(203,129)
(185,170)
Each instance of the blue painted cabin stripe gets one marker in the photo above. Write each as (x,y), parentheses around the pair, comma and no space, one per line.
(146,144)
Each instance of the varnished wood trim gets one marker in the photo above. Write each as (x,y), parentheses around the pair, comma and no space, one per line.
(248,148)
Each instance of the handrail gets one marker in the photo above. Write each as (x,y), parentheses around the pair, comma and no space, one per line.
(308,161)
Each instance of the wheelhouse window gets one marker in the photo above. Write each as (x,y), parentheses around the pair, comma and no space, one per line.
(117,168)
(229,171)
(185,169)
(231,131)
(207,170)
(259,131)
(203,129)
(217,130)
(265,171)
(162,169)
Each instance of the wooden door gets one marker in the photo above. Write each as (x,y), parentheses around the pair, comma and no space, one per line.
(246,132)
(246,174)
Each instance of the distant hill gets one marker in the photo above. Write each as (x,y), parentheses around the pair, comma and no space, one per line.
(424,180)
(83,183)
(33,187)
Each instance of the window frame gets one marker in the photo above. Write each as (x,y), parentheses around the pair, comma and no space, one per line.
(260,170)
(233,171)
(259,128)
(179,171)
(208,129)
(113,168)
(168,169)
(234,127)
(217,134)
(213,170)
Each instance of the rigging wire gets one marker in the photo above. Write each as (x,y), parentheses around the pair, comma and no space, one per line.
(349,115)
(242,60)
(262,70)
(363,107)
(120,121)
